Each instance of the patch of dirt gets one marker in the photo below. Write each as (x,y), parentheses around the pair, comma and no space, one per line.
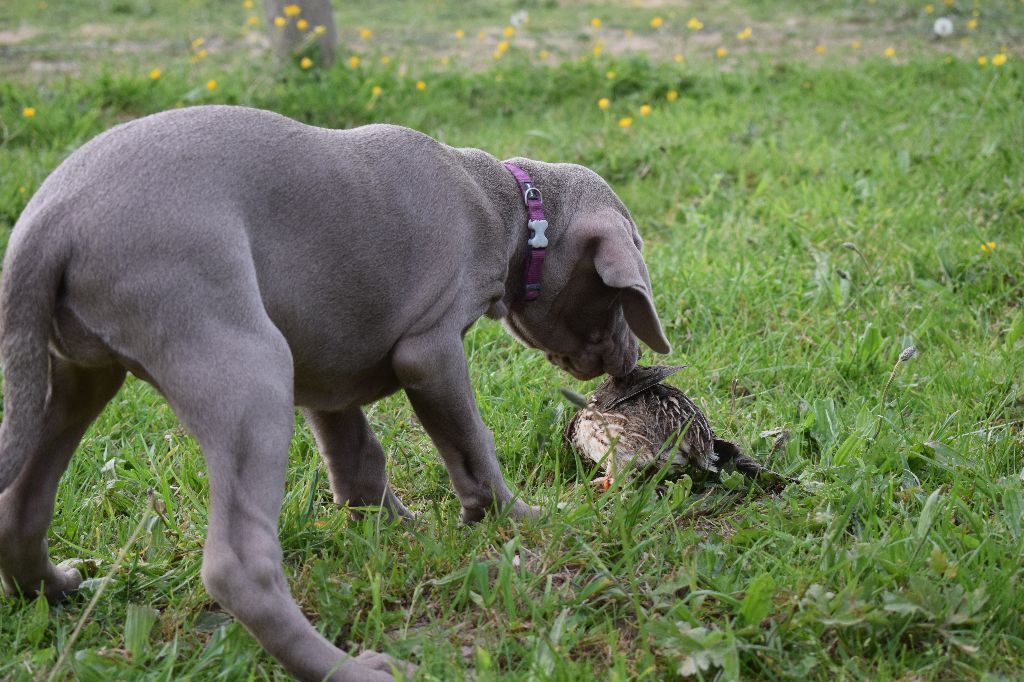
(18,35)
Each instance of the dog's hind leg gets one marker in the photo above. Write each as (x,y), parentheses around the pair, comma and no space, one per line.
(76,397)
(355,460)
(228,377)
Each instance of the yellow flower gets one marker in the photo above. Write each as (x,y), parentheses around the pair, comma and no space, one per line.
(445,61)
(855,44)
(625,122)
(982,60)
(503,47)
(656,22)
(376,90)
(292,10)
(460,34)
(543,54)
(319,30)
(154,74)
(508,32)
(595,22)
(253,20)
(678,57)
(694,24)
(988,247)
(22,189)
(481,36)
(302,24)
(421,86)
(354,61)
(745,33)
(890,52)
(386,59)
(820,49)
(671,95)
(197,42)
(202,54)
(645,109)
(598,48)
(929,8)
(247,4)
(211,84)
(949,3)
(601,104)
(306,62)
(972,24)
(365,33)
(610,75)
(280,21)
(721,52)
(999,59)
(28,112)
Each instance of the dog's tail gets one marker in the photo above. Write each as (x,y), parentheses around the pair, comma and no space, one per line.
(32,271)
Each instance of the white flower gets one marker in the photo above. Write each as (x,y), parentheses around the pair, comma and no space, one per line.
(943,27)
(519,18)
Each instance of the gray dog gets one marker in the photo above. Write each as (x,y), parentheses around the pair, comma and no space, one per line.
(243,263)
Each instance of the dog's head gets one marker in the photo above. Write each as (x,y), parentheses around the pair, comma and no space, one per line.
(595,299)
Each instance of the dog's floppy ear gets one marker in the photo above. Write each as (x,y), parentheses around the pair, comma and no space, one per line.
(620,265)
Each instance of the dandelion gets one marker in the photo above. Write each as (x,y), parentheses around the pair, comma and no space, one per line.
(280,21)
(721,52)
(253,20)
(365,33)
(694,24)
(306,62)
(943,27)
(28,112)
(656,22)
(598,48)
(972,24)
(678,58)
(319,30)
(302,24)
(601,104)
(610,75)
(376,90)
(543,54)
(595,22)
(988,247)
(929,8)
(202,54)
(982,60)
(671,95)
(211,84)
(460,34)
(155,74)
(855,44)
(745,33)
(890,52)
(292,10)
(821,49)
(354,61)
(645,110)
(625,122)
(247,4)
(999,59)
(503,47)
(508,31)
(197,42)
(385,60)
(421,86)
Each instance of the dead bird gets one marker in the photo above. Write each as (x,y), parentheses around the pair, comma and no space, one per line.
(637,424)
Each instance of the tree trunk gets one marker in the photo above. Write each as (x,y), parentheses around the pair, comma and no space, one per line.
(299,32)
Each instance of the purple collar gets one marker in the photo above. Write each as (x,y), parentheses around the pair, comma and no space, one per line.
(537,224)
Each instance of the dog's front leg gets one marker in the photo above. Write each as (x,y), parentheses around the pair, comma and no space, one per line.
(432,370)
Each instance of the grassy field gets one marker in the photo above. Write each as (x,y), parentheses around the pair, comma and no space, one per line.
(809,214)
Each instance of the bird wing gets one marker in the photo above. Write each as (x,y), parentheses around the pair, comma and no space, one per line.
(638,381)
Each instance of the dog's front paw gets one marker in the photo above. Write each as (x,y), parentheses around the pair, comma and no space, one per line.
(516,509)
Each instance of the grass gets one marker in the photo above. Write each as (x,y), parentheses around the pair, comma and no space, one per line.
(806,220)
